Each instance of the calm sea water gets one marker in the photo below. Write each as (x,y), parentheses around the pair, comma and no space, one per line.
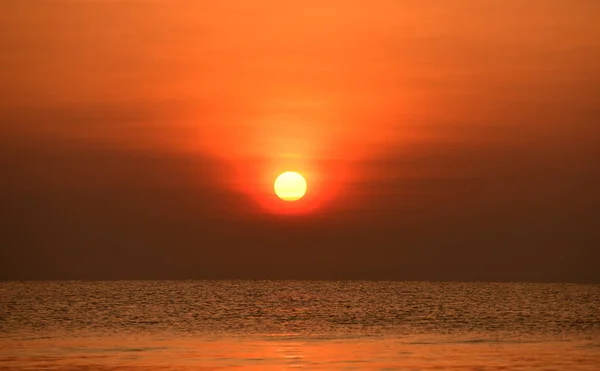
(274,325)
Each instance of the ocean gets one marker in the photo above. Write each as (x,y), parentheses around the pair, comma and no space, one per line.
(306,325)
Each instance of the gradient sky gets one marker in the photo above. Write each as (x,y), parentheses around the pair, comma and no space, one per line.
(440,140)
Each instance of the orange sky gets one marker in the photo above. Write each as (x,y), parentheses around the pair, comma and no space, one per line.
(387,107)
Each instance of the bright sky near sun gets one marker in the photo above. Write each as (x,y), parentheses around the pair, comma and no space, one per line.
(410,122)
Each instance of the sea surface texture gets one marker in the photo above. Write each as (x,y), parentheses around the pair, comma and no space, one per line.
(281,325)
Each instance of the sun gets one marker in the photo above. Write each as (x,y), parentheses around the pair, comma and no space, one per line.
(290,186)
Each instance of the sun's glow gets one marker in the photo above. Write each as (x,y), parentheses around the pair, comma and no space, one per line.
(290,186)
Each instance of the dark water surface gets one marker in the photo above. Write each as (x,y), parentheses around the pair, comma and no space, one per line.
(277,325)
